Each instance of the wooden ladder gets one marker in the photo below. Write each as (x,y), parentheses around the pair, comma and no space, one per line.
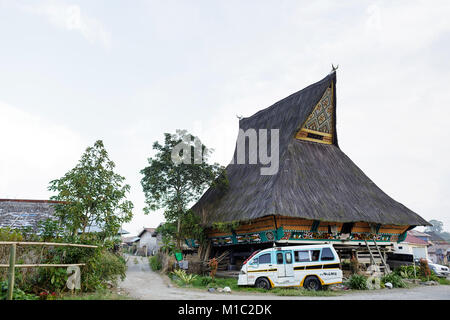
(372,259)
(386,267)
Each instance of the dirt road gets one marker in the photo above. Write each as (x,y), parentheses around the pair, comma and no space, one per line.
(144,284)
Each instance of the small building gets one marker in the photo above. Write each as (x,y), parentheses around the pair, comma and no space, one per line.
(147,244)
(130,243)
(439,249)
(413,245)
(421,235)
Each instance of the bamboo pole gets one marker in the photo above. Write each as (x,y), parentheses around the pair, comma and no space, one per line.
(42,265)
(20,243)
(12,262)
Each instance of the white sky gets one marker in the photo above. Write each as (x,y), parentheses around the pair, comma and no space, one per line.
(72,72)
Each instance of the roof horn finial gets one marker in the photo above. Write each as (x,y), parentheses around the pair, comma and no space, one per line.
(333,68)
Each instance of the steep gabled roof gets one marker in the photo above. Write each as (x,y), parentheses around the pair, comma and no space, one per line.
(149,230)
(314,181)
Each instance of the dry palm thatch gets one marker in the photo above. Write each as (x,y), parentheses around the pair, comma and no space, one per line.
(314,181)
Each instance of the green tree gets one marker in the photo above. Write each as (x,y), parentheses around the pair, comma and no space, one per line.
(92,194)
(177,175)
(437,226)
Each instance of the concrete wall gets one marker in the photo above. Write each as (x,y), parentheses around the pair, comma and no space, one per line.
(419,251)
(148,241)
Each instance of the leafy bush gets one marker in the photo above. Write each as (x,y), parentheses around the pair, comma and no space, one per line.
(357,282)
(395,279)
(155,263)
(407,272)
(184,277)
(103,269)
(8,234)
(18,294)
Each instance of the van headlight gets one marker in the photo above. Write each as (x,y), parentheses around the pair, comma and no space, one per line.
(242,272)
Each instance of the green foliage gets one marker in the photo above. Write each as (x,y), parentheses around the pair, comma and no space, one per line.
(18,294)
(226,226)
(167,230)
(444,281)
(407,272)
(100,294)
(105,268)
(185,278)
(395,279)
(8,234)
(204,282)
(357,282)
(155,263)
(292,292)
(436,226)
(174,185)
(167,245)
(92,194)
(50,229)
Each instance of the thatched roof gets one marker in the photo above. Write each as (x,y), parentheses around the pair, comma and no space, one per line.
(314,180)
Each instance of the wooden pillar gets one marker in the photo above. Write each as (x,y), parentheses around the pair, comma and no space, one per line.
(11,272)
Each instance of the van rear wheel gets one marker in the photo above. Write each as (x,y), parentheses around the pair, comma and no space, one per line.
(312,283)
(262,283)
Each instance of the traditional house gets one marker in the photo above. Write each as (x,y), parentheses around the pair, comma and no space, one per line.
(317,195)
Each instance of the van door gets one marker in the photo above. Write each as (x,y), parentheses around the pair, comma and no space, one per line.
(285,266)
(280,264)
(289,264)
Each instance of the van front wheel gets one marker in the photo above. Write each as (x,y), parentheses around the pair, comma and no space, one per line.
(312,283)
(262,283)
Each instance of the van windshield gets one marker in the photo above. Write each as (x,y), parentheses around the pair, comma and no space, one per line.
(265,258)
(327,254)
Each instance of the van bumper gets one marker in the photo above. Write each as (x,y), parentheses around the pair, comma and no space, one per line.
(242,280)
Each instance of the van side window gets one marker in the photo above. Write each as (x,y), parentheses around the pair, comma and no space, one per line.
(327,254)
(288,257)
(315,255)
(279,258)
(302,256)
(265,258)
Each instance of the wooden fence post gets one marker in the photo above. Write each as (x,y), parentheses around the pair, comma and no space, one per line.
(12,265)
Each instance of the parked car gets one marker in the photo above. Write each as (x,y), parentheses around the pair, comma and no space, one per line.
(439,270)
(311,266)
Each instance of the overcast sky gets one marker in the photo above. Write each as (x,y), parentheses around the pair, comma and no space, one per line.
(73,72)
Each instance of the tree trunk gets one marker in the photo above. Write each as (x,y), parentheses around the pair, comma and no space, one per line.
(178,234)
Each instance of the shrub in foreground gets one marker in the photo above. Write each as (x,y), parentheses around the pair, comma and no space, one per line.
(357,282)
(395,279)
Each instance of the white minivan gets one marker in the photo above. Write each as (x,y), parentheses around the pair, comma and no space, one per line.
(308,266)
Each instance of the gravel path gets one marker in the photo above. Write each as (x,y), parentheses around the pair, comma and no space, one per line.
(142,283)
